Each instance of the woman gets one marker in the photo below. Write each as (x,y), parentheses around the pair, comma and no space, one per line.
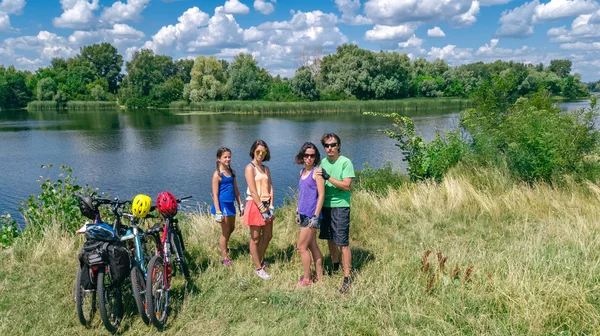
(311,193)
(259,205)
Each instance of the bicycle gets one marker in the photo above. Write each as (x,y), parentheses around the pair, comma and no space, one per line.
(160,271)
(142,248)
(107,293)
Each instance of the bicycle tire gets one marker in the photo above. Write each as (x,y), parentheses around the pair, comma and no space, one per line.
(109,301)
(179,256)
(82,296)
(138,288)
(157,299)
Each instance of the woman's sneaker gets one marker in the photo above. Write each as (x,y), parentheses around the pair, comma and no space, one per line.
(262,274)
(226,262)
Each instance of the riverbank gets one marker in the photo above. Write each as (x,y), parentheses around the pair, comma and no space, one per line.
(264,107)
(532,252)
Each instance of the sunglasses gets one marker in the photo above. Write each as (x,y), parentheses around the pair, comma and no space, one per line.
(260,152)
(306,156)
(333,144)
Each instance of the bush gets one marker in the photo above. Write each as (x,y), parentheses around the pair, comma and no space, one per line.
(426,160)
(8,230)
(534,138)
(378,180)
(55,202)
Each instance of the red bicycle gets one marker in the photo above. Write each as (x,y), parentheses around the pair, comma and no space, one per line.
(160,269)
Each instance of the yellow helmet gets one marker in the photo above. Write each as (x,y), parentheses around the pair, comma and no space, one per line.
(141,205)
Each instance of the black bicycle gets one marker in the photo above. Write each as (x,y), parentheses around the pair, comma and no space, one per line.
(95,271)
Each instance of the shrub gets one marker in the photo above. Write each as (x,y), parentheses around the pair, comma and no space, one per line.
(8,230)
(426,160)
(534,138)
(55,202)
(378,180)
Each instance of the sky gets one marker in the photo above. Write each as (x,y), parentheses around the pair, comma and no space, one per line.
(278,32)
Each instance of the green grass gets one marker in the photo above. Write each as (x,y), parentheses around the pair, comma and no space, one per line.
(534,251)
(402,105)
(72,105)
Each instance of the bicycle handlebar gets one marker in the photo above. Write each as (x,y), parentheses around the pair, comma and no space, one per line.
(183,198)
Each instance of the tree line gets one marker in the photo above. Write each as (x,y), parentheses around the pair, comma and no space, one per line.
(152,80)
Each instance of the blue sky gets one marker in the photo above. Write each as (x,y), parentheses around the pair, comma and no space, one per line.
(277,32)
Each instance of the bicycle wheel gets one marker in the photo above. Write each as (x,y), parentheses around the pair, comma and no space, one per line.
(138,288)
(177,244)
(85,300)
(109,301)
(157,296)
(149,248)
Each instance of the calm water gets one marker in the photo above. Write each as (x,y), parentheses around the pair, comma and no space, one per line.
(126,153)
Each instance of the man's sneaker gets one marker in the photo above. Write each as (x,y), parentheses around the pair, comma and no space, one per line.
(226,262)
(262,274)
(345,286)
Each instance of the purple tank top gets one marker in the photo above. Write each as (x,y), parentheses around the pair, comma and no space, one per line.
(307,195)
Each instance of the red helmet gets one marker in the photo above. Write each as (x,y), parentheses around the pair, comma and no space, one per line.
(166,204)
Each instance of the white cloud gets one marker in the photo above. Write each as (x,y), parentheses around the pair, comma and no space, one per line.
(253,34)
(394,12)
(556,9)
(519,21)
(468,18)
(380,32)
(235,7)
(436,32)
(120,35)
(493,2)
(264,7)
(12,6)
(120,11)
(450,52)
(582,30)
(46,44)
(77,14)
(4,22)
(493,52)
(180,34)
(412,44)
(348,9)
(581,46)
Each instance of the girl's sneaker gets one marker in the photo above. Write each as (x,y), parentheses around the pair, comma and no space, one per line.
(304,283)
(262,274)
(226,262)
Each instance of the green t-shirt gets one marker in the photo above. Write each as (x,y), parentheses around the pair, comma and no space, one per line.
(341,168)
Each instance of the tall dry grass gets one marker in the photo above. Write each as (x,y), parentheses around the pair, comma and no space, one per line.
(504,258)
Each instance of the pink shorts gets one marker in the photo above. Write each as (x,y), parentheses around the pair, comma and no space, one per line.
(253,216)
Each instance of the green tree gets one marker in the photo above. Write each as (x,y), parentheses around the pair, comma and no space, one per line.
(562,68)
(304,85)
(46,89)
(106,61)
(207,79)
(246,80)
(144,72)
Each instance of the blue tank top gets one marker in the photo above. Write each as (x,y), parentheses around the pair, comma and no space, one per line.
(226,193)
(308,195)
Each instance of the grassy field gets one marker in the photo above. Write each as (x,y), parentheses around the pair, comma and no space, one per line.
(533,254)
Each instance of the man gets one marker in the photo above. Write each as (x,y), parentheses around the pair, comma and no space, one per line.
(338,172)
